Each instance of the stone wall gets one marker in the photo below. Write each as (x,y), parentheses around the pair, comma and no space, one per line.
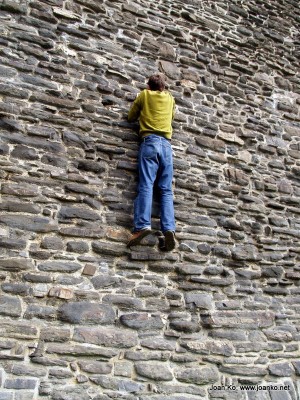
(84,317)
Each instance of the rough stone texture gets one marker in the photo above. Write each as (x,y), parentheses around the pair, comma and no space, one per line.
(83,316)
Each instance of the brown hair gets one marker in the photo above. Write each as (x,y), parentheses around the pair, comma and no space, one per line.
(156,82)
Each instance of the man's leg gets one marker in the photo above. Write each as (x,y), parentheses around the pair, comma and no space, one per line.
(147,167)
(165,177)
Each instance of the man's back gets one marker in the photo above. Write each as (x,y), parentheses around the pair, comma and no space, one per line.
(156,111)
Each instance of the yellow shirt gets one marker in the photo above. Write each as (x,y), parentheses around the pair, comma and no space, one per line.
(155,110)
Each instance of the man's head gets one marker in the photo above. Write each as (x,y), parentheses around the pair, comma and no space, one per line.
(156,82)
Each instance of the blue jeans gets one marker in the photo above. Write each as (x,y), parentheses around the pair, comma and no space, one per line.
(155,163)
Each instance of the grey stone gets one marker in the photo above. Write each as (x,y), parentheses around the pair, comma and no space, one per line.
(17,330)
(60,373)
(55,335)
(170,69)
(296,365)
(106,336)
(201,300)
(6,395)
(26,223)
(117,384)
(42,312)
(15,264)
(123,302)
(15,288)
(79,351)
(246,252)
(86,313)
(24,152)
(281,369)
(108,248)
(20,383)
(21,189)
(51,159)
(93,166)
(244,370)
(198,376)
(95,367)
(105,280)
(23,369)
(13,206)
(77,188)
(24,396)
(154,370)
(78,247)
(10,306)
(59,266)
(52,243)
(157,343)
(185,326)
(210,347)
(10,243)
(86,232)
(142,321)
(77,212)
(70,393)
(37,278)
(279,395)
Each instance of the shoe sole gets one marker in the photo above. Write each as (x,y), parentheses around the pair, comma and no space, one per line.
(169,241)
(137,240)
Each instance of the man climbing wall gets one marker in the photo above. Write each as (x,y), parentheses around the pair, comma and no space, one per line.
(155,109)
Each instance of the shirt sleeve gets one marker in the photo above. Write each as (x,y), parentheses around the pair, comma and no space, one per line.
(174,109)
(135,109)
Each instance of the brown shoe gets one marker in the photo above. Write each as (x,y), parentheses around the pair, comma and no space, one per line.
(138,236)
(169,240)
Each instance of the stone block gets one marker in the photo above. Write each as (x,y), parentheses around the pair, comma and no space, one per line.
(154,370)
(17,206)
(86,313)
(27,223)
(281,369)
(10,306)
(123,302)
(201,300)
(66,213)
(197,375)
(118,384)
(142,321)
(15,288)
(20,383)
(93,166)
(42,312)
(6,395)
(24,153)
(55,334)
(224,348)
(10,243)
(95,367)
(77,247)
(113,337)
(59,266)
(77,351)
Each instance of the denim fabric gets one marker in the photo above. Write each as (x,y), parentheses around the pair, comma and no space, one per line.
(155,163)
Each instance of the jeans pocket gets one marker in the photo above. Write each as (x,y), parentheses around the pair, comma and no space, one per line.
(148,150)
(168,153)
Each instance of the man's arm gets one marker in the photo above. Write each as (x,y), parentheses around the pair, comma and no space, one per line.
(135,109)
(174,109)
